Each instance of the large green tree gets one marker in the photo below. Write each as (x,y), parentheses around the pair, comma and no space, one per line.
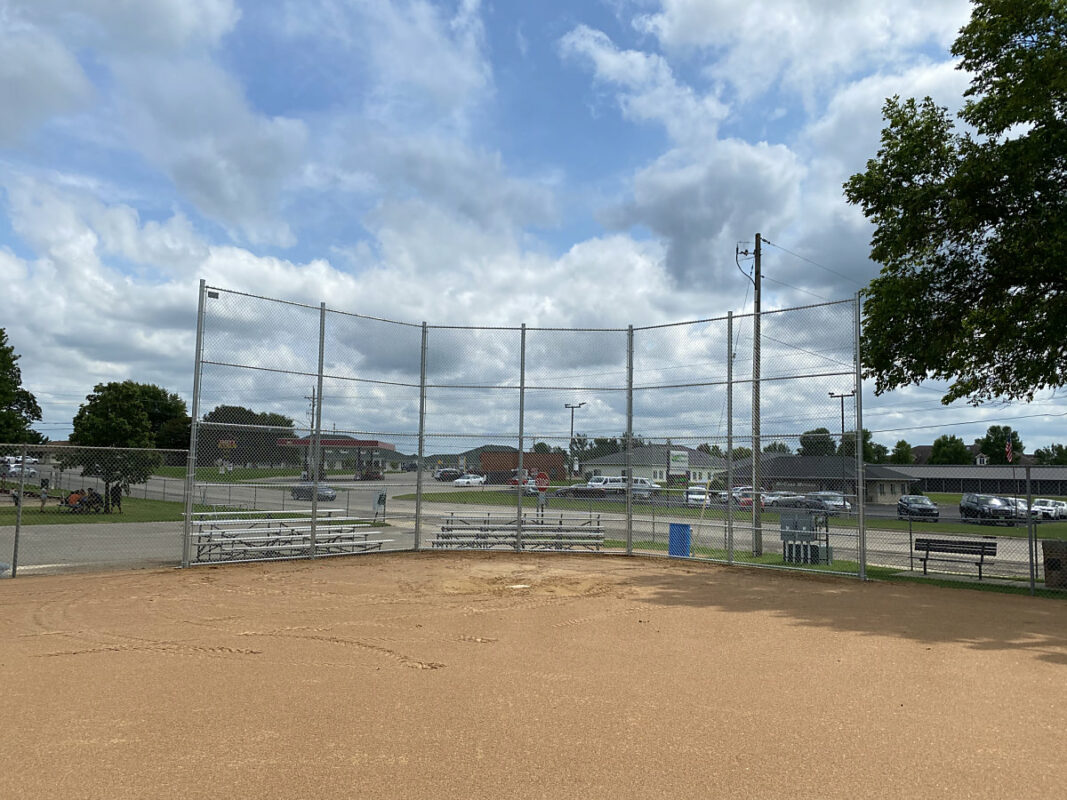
(950,450)
(18,407)
(115,434)
(168,418)
(253,434)
(816,442)
(1054,454)
(971,227)
(994,443)
(902,453)
(873,452)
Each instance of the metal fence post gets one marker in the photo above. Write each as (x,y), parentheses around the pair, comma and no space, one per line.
(194,429)
(630,439)
(1031,534)
(316,436)
(422,439)
(729,435)
(522,408)
(861,483)
(18,513)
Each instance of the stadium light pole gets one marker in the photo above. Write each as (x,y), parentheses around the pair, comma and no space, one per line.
(570,444)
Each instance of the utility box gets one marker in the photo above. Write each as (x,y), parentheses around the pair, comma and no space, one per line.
(802,538)
(1054,553)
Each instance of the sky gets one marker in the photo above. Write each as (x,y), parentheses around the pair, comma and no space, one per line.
(588,163)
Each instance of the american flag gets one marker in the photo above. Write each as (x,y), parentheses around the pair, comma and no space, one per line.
(1007,450)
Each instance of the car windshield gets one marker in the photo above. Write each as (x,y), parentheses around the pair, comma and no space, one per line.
(991,501)
(921,501)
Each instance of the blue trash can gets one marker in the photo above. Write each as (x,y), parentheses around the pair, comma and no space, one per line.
(678,542)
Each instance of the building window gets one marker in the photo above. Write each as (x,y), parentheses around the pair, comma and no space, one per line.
(881,488)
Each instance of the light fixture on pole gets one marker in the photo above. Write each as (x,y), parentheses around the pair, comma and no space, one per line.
(859,435)
(570,444)
(842,398)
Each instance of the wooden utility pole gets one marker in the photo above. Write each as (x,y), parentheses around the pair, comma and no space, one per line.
(757,497)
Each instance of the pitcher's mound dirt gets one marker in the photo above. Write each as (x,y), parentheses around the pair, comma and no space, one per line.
(504,676)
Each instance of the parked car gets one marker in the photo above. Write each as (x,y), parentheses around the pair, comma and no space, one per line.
(643,487)
(594,487)
(529,486)
(782,498)
(985,508)
(369,474)
(831,502)
(14,470)
(470,479)
(305,489)
(696,495)
(746,498)
(917,506)
(1050,509)
(1022,510)
(446,474)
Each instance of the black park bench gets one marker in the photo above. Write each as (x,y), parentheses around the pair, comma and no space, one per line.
(973,552)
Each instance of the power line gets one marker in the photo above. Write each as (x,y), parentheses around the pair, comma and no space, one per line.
(813,263)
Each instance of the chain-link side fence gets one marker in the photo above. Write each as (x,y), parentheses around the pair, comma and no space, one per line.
(65,508)
(983,524)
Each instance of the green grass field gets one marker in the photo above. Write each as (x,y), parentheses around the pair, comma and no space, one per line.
(241,474)
(133,510)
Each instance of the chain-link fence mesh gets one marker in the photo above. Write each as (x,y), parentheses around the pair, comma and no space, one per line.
(65,508)
(732,439)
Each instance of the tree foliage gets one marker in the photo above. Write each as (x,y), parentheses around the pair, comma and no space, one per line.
(873,453)
(950,450)
(994,442)
(777,447)
(112,419)
(255,435)
(1054,454)
(902,453)
(816,442)
(18,407)
(971,228)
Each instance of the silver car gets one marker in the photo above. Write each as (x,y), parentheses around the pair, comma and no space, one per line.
(304,490)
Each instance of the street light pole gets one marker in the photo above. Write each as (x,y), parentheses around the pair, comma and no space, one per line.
(859,435)
(570,443)
(842,398)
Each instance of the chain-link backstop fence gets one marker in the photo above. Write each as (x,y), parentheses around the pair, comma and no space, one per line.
(732,439)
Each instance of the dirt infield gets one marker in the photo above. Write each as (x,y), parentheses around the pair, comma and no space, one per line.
(486,676)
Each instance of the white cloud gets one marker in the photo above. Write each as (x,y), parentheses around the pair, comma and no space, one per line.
(146,26)
(425,67)
(648,90)
(39,78)
(191,118)
(804,44)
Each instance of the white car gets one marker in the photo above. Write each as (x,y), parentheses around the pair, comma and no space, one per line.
(470,479)
(14,470)
(1049,509)
(696,496)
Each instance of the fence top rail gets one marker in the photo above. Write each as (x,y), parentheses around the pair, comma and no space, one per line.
(254,513)
(528,327)
(264,524)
